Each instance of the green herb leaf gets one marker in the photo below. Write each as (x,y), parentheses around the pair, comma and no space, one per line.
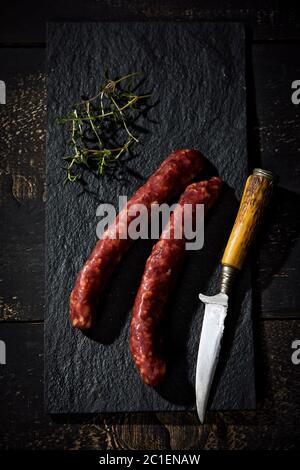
(101,127)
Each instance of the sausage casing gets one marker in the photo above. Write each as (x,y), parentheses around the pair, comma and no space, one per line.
(176,171)
(158,281)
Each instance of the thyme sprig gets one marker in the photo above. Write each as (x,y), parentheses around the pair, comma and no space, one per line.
(101,127)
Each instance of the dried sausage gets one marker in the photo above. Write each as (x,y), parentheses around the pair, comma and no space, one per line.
(159,278)
(176,171)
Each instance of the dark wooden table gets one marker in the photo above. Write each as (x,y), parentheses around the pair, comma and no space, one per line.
(273,63)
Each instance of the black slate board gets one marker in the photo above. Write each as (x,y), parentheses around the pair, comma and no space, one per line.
(197,72)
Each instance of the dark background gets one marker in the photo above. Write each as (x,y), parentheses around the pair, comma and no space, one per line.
(273,63)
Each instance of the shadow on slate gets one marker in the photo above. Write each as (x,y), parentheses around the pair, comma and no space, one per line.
(113,309)
(197,73)
(185,306)
(119,296)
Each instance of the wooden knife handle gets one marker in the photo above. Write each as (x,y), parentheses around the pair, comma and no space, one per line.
(257,192)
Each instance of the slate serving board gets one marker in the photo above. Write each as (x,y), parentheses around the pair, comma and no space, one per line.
(196,73)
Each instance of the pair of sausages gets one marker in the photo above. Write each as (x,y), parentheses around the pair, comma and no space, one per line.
(171,178)
(162,267)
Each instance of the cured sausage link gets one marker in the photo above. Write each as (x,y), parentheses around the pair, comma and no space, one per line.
(176,171)
(158,281)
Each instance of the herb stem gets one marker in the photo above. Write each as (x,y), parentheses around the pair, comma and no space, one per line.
(92,124)
(101,131)
(123,120)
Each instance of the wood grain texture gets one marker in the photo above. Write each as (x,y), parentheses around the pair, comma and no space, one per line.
(273,133)
(266,19)
(256,196)
(276,146)
(274,143)
(22,148)
(275,423)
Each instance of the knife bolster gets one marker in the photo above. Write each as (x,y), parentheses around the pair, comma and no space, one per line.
(228,275)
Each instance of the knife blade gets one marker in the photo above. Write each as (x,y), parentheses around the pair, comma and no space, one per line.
(256,195)
(209,347)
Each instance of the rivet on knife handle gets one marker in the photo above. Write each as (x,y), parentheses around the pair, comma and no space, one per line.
(257,192)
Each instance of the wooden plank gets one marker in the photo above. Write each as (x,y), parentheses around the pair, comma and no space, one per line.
(23,421)
(25,22)
(274,143)
(22,147)
(275,423)
(277,140)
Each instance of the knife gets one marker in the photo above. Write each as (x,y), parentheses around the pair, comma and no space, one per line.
(257,192)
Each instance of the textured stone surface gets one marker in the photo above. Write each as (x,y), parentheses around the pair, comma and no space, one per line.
(273,425)
(196,71)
